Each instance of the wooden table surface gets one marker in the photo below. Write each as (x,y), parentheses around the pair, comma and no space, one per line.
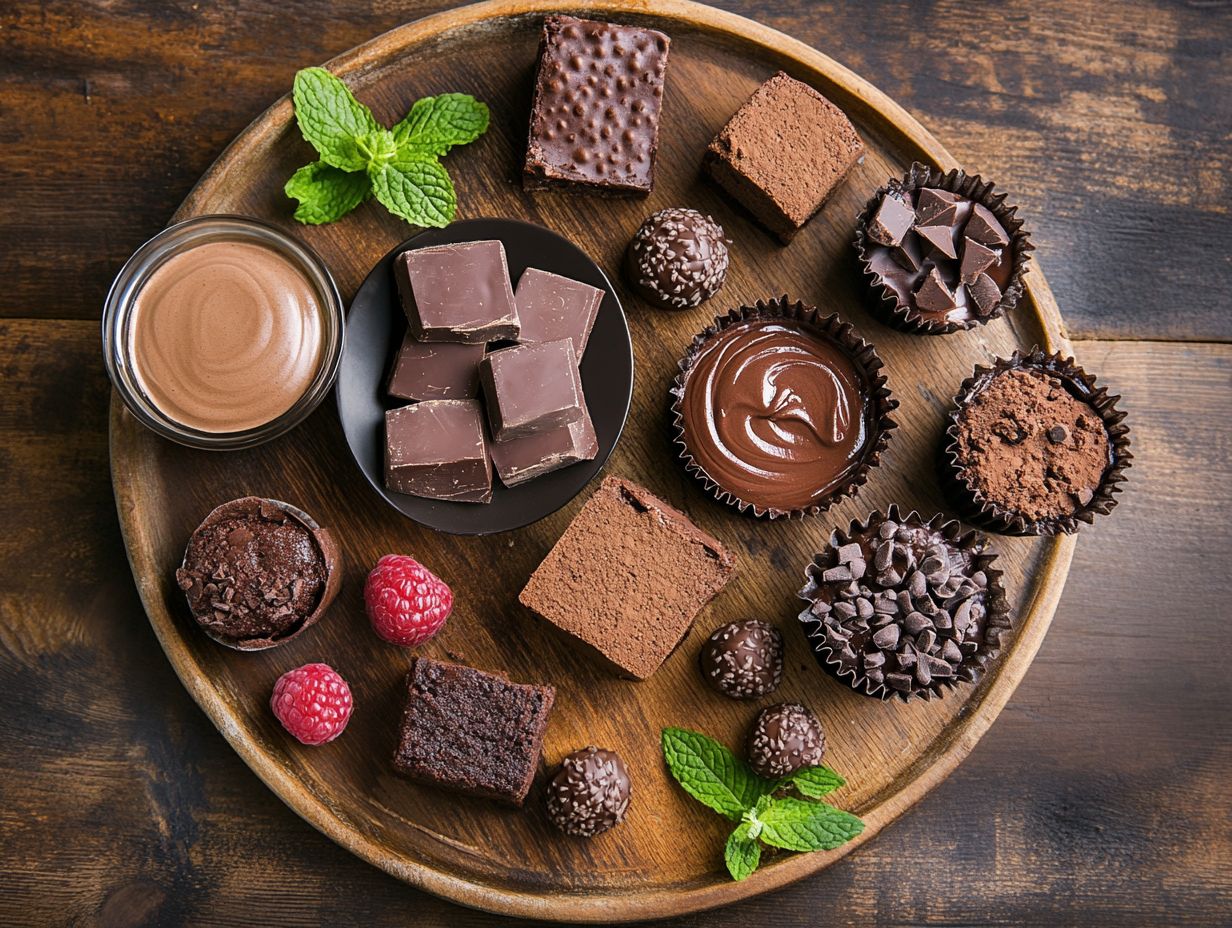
(1100,797)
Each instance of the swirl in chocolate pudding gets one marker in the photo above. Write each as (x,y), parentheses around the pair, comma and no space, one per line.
(226,336)
(774,414)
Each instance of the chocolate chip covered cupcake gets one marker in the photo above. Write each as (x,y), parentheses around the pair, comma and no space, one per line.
(899,606)
(257,572)
(781,411)
(941,252)
(1034,447)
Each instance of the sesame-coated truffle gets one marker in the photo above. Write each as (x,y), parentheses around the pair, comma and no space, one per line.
(677,259)
(743,660)
(590,792)
(784,739)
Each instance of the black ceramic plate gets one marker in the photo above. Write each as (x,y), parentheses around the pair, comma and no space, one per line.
(376,325)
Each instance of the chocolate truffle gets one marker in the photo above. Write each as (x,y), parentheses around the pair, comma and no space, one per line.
(470,731)
(594,123)
(1034,447)
(589,793)
(257,572)
(628,577)
(783,154)
(780,410)
(903,607)
(784,739)
(677,259)
(743,660)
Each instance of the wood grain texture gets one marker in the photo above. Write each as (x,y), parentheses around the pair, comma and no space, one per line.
(645,868)
(1108,121)
(1098,798)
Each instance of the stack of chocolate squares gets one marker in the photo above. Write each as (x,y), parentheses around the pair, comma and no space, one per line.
(493,374)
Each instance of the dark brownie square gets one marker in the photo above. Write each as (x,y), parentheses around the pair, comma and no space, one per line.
(594,121)
(783,154)
(472,732)
(628,577)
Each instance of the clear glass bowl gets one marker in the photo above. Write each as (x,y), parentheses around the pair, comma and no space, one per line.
(118,315)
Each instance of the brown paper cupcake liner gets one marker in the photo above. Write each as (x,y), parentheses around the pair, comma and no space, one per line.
(827,647)
(884,302)
(329,554)
(977,509)
(831,327)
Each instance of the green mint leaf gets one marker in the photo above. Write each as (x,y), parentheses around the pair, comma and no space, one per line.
(796,825)
(436,124)
(814,782)
(331,119)
(418,191)
(326,193)
(742,853)
(377,148)
(712,774)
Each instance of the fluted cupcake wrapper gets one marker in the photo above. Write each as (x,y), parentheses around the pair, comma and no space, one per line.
(832,327)
(976,508)
(998,622)
(248,505)
(884,302)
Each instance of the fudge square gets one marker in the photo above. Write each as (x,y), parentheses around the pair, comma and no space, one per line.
(471,732)
(628,577)
(594,121)
(435,370)
(437,449)
(551,307)
(457,293)
(783,154)
(530,388)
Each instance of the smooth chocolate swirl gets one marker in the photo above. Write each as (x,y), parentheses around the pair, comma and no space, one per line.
(774,414)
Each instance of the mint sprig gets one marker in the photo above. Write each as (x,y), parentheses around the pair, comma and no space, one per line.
(360,158)
(715,777)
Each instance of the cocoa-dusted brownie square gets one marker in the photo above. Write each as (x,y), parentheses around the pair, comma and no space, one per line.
(594,122)
(628,577)
(783,153)
(470,731)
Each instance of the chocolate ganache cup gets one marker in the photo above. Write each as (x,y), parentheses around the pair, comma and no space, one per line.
(781,411)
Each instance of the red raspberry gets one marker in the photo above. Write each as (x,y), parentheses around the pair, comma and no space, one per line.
(313,703)
(406,602)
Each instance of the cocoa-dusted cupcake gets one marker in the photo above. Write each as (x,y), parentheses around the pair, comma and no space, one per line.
(257,572)
(779,410)
(1034,447)
(898,606)
(941,251)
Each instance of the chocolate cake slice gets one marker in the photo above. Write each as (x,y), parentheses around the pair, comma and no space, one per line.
(628,577)
(470,731)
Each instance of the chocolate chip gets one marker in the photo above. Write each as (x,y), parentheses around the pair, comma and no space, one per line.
(857,568)
(923,674)
(874,659)
(898,681)
(1084,496)
(1057,434)
(864,609)
(887,529)
(926,640)
(934,206)
(909,255)
(849,552)
(916,622)
(976,259)
(984,293)
(891,222)
(933,296)
(836,573)
(939,238)
(951,652)
(917,585)
(886,638)
(884,556)
(984,227)
(844,610)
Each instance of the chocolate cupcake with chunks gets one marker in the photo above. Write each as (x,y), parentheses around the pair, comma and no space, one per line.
(941,252)
(898,606)
(780,411)
(1034,446)
(258,572)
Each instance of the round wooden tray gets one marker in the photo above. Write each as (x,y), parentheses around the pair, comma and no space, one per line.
(667,858)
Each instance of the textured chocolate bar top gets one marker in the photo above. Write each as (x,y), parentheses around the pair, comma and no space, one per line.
(595,116)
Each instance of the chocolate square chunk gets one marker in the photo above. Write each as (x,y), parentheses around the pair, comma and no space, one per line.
(628,577)
(551,307)
(457,293)
(472,732)
(594,122)
(783,154)
(530,388)
(521,459)
(437,449)
(435,370)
